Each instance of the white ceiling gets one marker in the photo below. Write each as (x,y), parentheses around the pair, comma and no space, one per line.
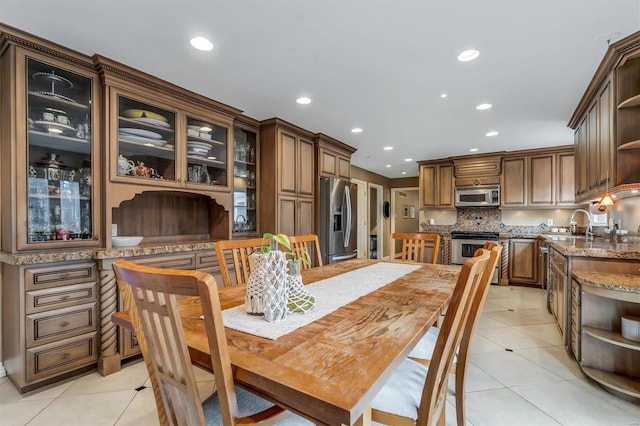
(380,65)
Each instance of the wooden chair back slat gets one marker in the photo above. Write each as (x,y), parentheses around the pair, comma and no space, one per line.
(433,400)
(240,252)
(307,243)
(412,249)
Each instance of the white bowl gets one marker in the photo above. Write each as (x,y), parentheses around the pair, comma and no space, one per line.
(126,241)
(630,327)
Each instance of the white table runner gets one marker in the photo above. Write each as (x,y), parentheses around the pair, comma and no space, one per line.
(331,294)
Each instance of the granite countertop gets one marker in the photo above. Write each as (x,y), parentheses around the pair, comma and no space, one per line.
(103,253)
(599,247)
(618,282)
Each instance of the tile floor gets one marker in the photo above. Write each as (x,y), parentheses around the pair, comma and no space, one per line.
(519,374)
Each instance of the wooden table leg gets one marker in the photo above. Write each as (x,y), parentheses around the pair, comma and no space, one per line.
(365,418)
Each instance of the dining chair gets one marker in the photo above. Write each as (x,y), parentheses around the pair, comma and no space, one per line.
(423,351)
(155,292)
(239,251)
(415,394)
(413,246)
(306,243)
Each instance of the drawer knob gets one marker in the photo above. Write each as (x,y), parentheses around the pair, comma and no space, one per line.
(65,297)
(64,356)
(64,275)
(64,324)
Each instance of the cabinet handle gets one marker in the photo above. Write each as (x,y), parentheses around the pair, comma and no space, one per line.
(64,276)
(65,297)
(96,237)
(64,324)
(65,356)
(179,180)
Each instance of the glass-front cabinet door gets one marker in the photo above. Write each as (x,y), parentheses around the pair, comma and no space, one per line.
(61,167)
(206,152)
(244,182)
(146,142)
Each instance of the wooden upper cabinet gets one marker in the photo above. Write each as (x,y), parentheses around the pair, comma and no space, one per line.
(593,148)
(605,167)
(287,178)
(565,179)
(541,178)
(305,167)
(541,182)
(50,137)
(334,157)
(514,187)
(288,160)
(436,186)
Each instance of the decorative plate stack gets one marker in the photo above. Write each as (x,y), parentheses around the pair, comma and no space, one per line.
(198,149)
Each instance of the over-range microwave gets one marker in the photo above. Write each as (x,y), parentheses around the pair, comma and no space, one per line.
(478,196)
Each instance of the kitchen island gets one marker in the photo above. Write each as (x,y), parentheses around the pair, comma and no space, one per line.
(605,355)
(591,285)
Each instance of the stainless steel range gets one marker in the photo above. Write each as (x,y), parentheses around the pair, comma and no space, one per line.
(465,243)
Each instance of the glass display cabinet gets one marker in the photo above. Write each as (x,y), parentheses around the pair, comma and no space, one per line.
(206,152)
(146,141)
(244,182)
(60,169)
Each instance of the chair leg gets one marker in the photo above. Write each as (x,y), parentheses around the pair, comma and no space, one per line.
(461,369)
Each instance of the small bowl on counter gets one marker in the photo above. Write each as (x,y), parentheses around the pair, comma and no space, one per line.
(128,241)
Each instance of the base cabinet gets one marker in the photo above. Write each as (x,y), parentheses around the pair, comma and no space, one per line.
(524,263)
(606,356)
(50,322)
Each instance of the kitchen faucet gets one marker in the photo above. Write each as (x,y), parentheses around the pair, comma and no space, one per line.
(589,232)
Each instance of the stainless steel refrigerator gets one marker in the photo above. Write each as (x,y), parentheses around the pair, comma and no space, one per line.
(338,230)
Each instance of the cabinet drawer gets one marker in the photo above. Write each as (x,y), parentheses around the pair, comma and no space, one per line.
(60,297)
(60,357)
(54,276)
(206,259)
(46,327)
(180,261)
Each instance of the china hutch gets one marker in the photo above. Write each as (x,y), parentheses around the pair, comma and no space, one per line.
(51,201)
(94,149)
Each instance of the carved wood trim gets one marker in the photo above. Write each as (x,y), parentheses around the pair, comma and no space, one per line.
(108,306)
(12,36)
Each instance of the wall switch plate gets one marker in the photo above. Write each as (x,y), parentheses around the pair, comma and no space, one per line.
(549,222)
(114,229)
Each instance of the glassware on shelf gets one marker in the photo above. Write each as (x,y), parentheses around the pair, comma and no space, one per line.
(59,145)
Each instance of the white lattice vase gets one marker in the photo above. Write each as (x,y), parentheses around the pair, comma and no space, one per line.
(267,286)
(298,298)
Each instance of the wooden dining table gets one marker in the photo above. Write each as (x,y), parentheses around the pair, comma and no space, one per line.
(330,370)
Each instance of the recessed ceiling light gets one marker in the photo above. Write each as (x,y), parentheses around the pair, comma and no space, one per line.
(634,191)
(201,43)
(404,173)
(388,148)
(443,95)
(483,106)
(468,55)
(408,159)
(303,100)
(388,165)
(356,130)
(473,150)
(492,133)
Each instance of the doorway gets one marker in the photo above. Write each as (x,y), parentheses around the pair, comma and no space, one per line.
(374,230)
(405,215)
(362,218)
